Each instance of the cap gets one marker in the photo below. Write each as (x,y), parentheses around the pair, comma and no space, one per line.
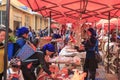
(22,30)
(49,47)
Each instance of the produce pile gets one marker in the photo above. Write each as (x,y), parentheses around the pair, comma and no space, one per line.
(63,74)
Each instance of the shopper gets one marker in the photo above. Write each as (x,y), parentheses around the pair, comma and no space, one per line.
(2,38)
(29,65)
(90,63)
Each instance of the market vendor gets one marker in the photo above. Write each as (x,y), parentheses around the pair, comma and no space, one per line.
(48,51)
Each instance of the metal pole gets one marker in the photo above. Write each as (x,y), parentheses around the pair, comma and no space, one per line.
(118,65)
(117,26)
(1,16)
(108,40)
(6,38)
(49,25)
(50,21)
(40,31)
(44,23)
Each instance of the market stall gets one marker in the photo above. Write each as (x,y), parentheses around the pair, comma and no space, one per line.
(77,13)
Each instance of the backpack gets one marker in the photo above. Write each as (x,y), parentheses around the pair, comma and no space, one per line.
(15,76)
(12,49)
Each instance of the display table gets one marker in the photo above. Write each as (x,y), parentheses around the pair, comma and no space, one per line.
(67,56)
(65,60)
(68,51)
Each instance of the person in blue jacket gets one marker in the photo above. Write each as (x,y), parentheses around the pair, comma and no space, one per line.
(91,44)
(29,67)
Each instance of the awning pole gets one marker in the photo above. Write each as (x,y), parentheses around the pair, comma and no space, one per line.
(50,21)
(108,65)
(118,49)
(40,31)
(117,26)
(45,22)
(49,24)
(46,27)
(6,38)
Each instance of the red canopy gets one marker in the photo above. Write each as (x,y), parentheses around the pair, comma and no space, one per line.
(72,10)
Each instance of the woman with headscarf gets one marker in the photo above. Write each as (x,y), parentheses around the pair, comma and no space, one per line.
(48,51)
(90,45)
(33,61)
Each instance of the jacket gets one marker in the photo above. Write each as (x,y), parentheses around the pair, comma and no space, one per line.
(1,58)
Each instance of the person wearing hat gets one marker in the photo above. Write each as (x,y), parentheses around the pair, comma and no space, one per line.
(14,72)
(48,52)
(22,34)
(90,62)
(2,38)
(29,65)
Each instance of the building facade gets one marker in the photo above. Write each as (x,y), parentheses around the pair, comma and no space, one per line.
(20,15)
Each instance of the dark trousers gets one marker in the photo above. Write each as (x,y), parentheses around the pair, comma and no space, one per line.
(90,68)
(91,74)
(29,74)
(1,74)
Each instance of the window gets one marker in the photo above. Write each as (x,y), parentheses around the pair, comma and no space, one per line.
(27,20)
(0,2)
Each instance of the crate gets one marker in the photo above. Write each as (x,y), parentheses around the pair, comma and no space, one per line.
(25,52)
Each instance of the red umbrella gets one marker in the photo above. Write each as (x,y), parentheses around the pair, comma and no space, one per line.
(73,9)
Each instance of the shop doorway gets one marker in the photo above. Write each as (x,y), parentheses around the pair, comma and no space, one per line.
(17,24)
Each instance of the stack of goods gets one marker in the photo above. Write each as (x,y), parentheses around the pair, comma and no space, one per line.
(63,59)
(59,74)
(68,51)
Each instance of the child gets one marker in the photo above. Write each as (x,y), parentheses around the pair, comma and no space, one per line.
(14,72)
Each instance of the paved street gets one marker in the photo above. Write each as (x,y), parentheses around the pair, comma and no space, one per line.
(102,75)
